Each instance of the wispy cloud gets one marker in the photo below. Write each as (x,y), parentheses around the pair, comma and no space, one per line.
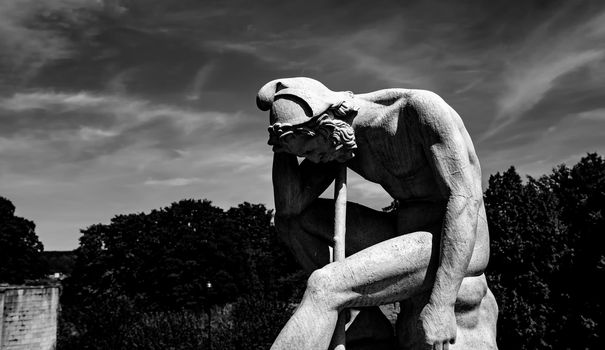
(356,49)
(547,55)
(596,115)
(131,110)
(33,33)
(572,138)
(175,182)
(528,85)
(200,79)
(83,126)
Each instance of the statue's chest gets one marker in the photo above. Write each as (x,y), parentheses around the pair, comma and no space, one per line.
(395,162)
(397,153)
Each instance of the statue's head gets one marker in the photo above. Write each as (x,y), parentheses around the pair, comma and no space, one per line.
(308,119)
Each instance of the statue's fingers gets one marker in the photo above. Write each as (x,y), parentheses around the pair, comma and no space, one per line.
(438,346)
(446,345)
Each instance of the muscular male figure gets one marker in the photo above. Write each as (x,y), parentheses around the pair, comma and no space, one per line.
(429,254)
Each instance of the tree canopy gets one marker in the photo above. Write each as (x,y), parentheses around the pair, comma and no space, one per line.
(547,256)
(166,258)
(20,249)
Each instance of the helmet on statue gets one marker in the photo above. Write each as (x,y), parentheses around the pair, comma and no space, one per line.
(296,100)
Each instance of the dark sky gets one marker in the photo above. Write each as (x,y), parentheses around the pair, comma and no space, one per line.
(113,107)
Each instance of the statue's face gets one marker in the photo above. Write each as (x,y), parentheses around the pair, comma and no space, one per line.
(320,139)
(317,149)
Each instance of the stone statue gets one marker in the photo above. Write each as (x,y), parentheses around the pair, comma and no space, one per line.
(429,254)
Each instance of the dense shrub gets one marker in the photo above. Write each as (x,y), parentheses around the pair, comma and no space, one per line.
(252,322)
(257,321)
(166,330)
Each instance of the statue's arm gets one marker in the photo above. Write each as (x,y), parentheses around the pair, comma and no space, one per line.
(296,186)
(447,152)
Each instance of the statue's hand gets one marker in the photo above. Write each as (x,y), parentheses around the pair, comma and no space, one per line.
(438,325)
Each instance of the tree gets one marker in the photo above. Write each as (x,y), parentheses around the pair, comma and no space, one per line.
(525,232)
(20,249)
(163,260)
(160,262)
(270,269)
(59,261)
(581,191)
(547,251)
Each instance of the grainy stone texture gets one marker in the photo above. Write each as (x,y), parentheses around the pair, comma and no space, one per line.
(28,317)
(429,254)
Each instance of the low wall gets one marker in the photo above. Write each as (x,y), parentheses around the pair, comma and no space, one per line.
(28,316)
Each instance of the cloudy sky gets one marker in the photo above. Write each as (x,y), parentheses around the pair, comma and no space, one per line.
(120,106)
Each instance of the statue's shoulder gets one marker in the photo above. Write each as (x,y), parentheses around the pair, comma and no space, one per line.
(431,113)
(424,98)
(387,97)
(415,108)
(413,97)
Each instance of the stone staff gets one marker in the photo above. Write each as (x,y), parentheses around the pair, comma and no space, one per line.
(340,219)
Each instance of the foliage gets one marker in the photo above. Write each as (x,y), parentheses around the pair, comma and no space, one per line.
(166,330)
(252,322)
(95,326)
(20,249)
(160,262)
(164,259)
(257,321)
(581,190)
(547,251)
(59,261)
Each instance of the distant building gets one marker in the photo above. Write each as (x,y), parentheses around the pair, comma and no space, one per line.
(57,276)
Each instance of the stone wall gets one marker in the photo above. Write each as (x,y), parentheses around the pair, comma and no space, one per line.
(28,316)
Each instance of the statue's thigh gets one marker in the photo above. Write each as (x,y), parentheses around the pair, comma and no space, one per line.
(476,316)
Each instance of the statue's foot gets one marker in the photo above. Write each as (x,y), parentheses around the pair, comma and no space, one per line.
(370,330)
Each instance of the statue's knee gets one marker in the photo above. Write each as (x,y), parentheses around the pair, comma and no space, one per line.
(321,287)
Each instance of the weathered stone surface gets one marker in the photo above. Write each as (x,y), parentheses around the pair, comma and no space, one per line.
(28,317)
(429,254)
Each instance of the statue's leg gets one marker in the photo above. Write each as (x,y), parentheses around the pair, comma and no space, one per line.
(309,237)
(389,271)
(476,315)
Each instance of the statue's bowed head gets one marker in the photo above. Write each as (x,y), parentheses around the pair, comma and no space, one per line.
(308,119)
